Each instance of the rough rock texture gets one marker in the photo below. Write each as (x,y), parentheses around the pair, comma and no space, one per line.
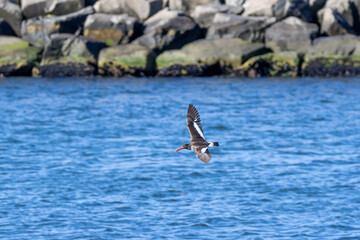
(168,30)
(204,14)
(188,6)
(291,34)
(332,66)
(112,29)
(11,12)
(278,8)
(64,70)
(33,8)
(37,30)
(111,6)
(70,48)
(337,18)
(129,59)
(62,7)
(144,8)
(342,45)
(284,64)
(226,53)
(178,70)
(16,57)
(297,8)
(259,7)
(232,26)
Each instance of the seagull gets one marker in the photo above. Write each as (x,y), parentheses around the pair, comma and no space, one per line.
(197,142)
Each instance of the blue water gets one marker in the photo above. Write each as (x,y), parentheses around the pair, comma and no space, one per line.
(94,159)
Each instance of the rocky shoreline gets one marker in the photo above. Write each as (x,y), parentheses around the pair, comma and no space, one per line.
(172,38)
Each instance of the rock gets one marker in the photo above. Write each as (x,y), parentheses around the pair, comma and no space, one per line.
(11,12)
(63,7)
(332,23)
(144,8)
(291,34)
(33,8)
(5,28)
(17,57)
(234,2)
(340,17)
(112,29)
(111,7)
(204,14)
(168,30)
(70,48)
(332,66)
(188,6)
(278,8)
(251,29)
(297,8)
(129,59)
(214,56)
(259,7)
(178,70)
(283,64)
(37,31)
(341,45)
(64,70)
(68,55)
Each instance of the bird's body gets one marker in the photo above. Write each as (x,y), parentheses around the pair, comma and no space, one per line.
(197,143)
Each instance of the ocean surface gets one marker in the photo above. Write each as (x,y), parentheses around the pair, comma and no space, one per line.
(94,159)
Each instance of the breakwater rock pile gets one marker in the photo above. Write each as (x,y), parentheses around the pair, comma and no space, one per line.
(250,38)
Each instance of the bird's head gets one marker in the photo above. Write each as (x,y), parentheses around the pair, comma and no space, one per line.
(185,146)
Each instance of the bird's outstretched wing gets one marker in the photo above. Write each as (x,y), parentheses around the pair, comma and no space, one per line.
(194,123)
(203,155)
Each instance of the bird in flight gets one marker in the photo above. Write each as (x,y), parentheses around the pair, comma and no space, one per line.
(197,142)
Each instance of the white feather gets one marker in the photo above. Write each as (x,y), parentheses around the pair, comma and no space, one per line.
(203,150)
(199,130)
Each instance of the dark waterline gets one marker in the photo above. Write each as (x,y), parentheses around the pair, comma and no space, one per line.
(93,159)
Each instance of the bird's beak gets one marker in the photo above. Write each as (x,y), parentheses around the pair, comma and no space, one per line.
(179,149)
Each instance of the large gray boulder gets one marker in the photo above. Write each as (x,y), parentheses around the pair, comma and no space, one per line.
(71,48)
(112,29)
(297,8)
(144,8)
(111,6)
(291,34)
(188,6)
(68,55)
(168,30)
(128,59)
(227,53)
(278,8)
(204,14)
(37,31)
(17,57)
(340,17)
(11,13)
(33,8)
(340,45)
(62,7)
(333,23)
(251,29)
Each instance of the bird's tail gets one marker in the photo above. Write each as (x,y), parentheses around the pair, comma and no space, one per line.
(214,144)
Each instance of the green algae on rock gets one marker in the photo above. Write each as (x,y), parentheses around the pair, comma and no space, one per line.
(17,57)
(128,59)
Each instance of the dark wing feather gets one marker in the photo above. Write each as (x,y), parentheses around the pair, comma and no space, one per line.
(205,157)
(193,120)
